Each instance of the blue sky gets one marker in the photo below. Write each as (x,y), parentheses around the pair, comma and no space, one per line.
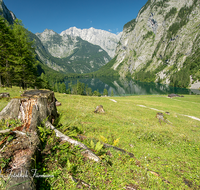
(59,15)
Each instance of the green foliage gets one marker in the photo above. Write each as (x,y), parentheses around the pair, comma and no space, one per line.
(96,93)
(148,35)
(106,70)
(181,78)
(145,6)
(130,25)
(105,92)
(181,19)
(18,63)
(171,13)
(112,93)
(148,76)
(157,47)
(9,123)
(44,132)
(80,88)
(161,3)
(88,91)
(193,63)
(97,148)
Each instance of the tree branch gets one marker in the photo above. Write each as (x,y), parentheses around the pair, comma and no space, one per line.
(88,153)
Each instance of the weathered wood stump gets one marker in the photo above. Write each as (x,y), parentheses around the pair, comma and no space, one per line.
(31,108)
(4,95)
(99,109)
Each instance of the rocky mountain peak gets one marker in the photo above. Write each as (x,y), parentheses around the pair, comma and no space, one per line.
(106,40)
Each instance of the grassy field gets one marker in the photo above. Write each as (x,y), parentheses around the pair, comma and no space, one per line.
(165,156)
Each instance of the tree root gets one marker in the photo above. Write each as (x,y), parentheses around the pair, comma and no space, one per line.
(80,183)
(119,149)
(87,152)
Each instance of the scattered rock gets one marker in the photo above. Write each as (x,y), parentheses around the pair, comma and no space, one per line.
(174,95)
(99,109)
(4,95)
(58,103)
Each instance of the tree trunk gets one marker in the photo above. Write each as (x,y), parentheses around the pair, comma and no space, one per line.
(32,108)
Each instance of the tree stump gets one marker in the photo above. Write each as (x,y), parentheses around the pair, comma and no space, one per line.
(4,95)
(31,108)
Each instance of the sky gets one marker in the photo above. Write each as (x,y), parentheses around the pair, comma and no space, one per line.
(59,15)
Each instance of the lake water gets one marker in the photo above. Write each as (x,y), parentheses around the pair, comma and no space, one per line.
(125,87)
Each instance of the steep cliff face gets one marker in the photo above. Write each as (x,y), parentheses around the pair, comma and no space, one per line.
(8,15)
(106,40)
(160,41)
(57,45)
(69,54)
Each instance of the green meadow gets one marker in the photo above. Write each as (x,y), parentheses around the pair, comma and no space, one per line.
(165,156)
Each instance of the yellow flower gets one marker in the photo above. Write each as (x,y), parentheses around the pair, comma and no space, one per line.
(147,164)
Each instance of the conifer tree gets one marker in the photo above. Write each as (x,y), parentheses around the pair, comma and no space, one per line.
(105,92)
(63,88)
(7,53)
(25,68)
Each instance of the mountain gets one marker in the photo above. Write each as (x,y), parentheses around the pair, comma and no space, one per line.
(106,40)
(8,15)
(69,54)
(162,44)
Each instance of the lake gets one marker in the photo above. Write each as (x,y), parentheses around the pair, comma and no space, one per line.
(128,86)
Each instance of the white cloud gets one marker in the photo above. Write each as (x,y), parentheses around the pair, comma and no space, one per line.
(109,30)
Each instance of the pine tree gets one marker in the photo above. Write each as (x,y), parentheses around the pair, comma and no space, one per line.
(6,54)
(105,92)
(80,88)
(55,88)
(63,88)
(25,68)
(112,92)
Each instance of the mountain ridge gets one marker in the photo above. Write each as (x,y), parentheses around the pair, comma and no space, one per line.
(106,40)
(7,14)
(72,51)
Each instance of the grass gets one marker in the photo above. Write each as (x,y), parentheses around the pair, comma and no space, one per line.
(166,157)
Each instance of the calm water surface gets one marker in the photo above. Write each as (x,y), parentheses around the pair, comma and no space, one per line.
(122,87)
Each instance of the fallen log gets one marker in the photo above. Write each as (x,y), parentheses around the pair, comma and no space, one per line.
(87,152)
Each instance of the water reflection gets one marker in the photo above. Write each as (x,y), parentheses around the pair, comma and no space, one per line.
(122,87)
